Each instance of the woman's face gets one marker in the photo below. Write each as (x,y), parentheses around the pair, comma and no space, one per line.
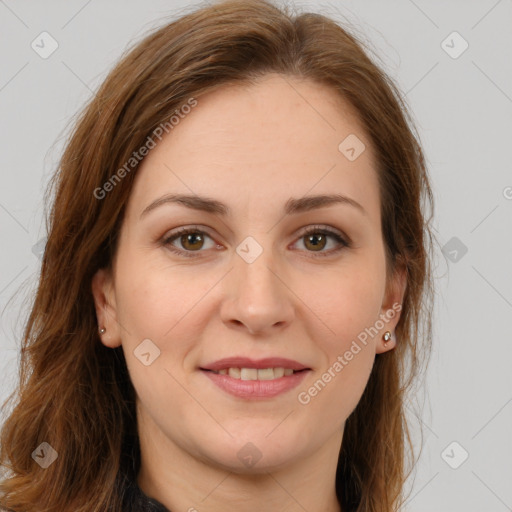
(248,282)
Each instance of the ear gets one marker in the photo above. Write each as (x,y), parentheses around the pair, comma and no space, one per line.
(105,304)
(392,307)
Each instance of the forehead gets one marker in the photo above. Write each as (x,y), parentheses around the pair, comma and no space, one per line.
(258,144)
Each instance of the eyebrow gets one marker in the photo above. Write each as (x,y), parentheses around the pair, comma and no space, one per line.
(292,205)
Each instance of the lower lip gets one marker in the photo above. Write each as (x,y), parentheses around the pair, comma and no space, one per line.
(256,388)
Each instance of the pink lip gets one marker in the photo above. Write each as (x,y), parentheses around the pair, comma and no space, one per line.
(245,362)
(256,388)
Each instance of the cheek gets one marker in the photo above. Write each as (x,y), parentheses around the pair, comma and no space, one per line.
(153,299)
(350,354)
(350,309)
(165,304)
(333,396)
(347,300)
(156,303)
(146,306)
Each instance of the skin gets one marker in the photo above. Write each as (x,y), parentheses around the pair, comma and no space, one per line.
(252,148)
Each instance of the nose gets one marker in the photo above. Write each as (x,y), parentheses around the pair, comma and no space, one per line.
(257,297)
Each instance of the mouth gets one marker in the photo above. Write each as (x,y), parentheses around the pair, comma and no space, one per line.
(249,379)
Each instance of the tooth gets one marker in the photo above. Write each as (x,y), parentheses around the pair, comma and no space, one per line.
(234,372)
(248,373)
(278,372)
(266,374)
(256,374)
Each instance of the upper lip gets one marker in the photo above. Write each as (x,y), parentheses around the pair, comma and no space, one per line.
(245,362)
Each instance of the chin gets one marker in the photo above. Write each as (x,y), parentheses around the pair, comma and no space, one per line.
(252,450)
(251,461)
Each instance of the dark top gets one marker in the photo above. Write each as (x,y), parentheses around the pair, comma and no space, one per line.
(136,501)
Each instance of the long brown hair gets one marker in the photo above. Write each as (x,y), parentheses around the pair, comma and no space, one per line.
(74,393)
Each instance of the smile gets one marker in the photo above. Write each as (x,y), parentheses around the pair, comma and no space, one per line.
(255,373)
(249,383)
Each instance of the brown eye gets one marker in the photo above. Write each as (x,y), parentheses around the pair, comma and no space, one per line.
(317,238)
(192,241)
(187,241)
(315,241)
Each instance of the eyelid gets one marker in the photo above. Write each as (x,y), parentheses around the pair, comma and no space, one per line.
(343,240)
(314,228)
(183,230)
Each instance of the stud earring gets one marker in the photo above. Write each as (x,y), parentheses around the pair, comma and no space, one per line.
(103,330)
(386,337)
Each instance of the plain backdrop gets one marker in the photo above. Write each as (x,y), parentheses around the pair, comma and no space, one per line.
(452,60)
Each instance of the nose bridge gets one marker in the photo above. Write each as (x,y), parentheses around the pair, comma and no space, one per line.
(257,277)
(259,298)
(256,280)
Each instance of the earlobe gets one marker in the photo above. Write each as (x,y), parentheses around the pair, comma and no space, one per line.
(386,343)
(383,344)
(106,314)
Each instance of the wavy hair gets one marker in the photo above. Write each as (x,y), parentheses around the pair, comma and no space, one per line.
(73,392)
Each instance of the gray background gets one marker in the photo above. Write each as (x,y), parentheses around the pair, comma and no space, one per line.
(463,110)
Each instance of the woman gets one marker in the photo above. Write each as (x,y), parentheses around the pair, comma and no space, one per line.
(236,292)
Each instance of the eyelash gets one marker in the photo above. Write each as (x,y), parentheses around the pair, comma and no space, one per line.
(166,241)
